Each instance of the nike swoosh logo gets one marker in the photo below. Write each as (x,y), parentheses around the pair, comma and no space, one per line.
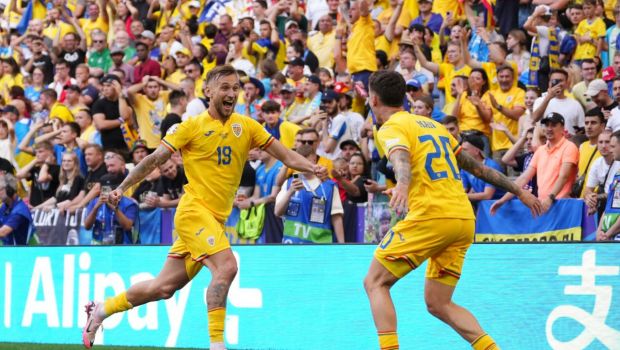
(90,323)
(199,231)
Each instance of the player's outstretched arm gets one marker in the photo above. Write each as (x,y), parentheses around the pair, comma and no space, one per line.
(290,158)
(137,174)
(400,159)
(498,179)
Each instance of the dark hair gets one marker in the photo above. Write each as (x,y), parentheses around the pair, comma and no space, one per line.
(270,106)
(262,3)
(14,66)
(597,113)
(382,57)
(308,131)
(219,72)
(366,171)
(449,119)
(62,62)
(389,86)
(51,93)
(279,77)
(616,134)
(239,35)
(175,97)
(589,2)
(168,122)
(559,71)
(427,100)
(75,127)
(140,43)
(502,46)
(485,77)
(196,64)
(268,67)
(504,67)
(210,31)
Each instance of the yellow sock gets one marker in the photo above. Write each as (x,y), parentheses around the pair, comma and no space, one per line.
(216,324)
(388,340)
(116,304)
(484,342)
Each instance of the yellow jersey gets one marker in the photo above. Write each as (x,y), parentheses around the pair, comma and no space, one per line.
(361,46)
(468,116)
(52,31)
(587,151)
(491,69)
(214,154)
(447,72)
(149,115)
(61,112)
(596,30)
(88,26)
(510,99)
(436,190)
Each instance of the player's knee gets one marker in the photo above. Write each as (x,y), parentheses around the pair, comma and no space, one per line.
(436,308)
(165,291)
(227,271)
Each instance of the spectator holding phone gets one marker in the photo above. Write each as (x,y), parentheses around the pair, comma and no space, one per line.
(311,208)
(556,101)
(111,225)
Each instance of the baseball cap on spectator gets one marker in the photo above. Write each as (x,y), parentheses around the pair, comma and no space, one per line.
(6,166)
(194,3)
(139,144)
(111,180)
(315,80)
(552,117)
(414,83)
(297,62)
(290,23)
(609,74)
(184,51)
(547,10)
(329,95)
(475,141)
(259,85)
(148,35)
(288,87)
(10,109)
(109,78)
(596,86)
(116,50)
(350,142)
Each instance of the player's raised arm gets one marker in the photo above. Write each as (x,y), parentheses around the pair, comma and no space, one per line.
(498,179)
(294,160)
(137,174)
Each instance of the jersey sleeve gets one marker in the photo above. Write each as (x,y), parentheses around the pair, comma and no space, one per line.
(338,127)
(179,135)
(392,137)
(454,145)
(259,136)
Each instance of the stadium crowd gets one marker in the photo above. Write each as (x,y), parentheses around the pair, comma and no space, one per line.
(89,88)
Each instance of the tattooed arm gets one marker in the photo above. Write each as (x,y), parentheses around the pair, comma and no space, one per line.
(498,179)
(137,174)
(402,169)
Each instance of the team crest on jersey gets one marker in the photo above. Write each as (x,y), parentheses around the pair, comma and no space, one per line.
(236,129)
(211,241)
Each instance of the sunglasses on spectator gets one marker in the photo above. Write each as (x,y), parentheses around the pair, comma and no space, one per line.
(98,41)
(110,156)
(307,142)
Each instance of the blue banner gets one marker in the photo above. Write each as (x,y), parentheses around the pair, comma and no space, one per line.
(566,220)
(558,296)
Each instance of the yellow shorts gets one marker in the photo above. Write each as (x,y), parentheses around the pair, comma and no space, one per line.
(200,236)
(410,243)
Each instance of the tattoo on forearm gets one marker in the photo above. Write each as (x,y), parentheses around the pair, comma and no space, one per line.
(485,173)
(145,167)
(216,295)
(402,167)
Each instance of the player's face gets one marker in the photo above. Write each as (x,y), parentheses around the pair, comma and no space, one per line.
(223,94)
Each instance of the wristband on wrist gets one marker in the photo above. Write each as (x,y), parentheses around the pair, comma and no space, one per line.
(121,120)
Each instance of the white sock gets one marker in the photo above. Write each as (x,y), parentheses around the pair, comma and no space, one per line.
(217,346)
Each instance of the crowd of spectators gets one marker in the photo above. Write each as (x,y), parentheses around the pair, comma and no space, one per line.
(89,87)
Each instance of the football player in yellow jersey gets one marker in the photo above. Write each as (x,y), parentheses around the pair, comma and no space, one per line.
(214,146)
(440,222)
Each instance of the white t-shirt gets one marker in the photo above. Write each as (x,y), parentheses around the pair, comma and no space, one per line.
(314,185)
(345,126)
(613,123)
(244,65)
(570,109)
(194,107)
(599,170)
